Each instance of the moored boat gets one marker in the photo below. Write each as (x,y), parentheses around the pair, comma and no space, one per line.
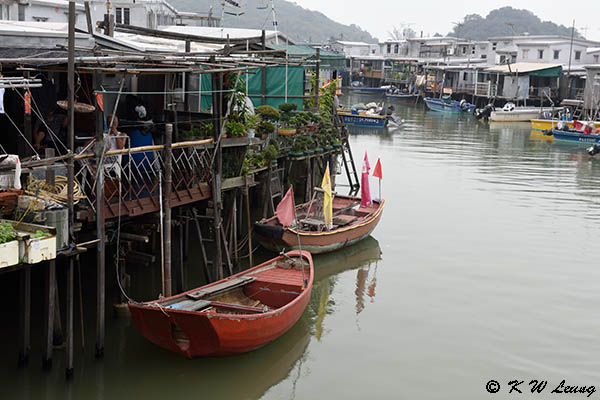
(402,97)
(235,315)
(547,124)
(574,136)
(449,105)
(368,89)
(351,223)
(511,113)
(363,119)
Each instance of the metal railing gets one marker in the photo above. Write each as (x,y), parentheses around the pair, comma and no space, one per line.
(132,177)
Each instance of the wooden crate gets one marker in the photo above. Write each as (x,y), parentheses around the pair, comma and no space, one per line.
(34,250)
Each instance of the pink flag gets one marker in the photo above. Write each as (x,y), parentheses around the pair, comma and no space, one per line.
(285,209)
(365,191)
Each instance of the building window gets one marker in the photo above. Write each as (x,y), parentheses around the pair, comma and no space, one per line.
(389,48)
(465,74)
(396,48)
(578,55)
(556,54)
(540,54)
(5,12)
(494,46)
(596,59)
(525,54)
(122,16)
(513,58)
(484,56)
(473,50)
(464,50)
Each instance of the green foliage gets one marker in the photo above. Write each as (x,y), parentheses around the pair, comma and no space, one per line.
(39,234)
(202,131)
(271,153)
(252,121)
(235,129)
(288,107)
(268,113)
(265,128)
(475,27)
(7,232)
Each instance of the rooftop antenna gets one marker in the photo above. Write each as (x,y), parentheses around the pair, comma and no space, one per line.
(233,4)
(512,27)
(274,22)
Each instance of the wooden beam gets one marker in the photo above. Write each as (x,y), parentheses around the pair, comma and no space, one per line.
(49,298)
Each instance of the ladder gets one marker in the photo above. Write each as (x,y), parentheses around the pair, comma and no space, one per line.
(348,160)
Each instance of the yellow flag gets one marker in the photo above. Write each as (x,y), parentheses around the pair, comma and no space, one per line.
(327,204)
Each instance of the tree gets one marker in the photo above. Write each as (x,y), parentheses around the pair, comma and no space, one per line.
(405,32)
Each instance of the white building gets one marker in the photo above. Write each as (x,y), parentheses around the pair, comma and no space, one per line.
(355,49)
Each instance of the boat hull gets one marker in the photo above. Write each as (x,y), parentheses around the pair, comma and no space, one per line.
(575,137)
(370,121)
(448,107)
(367,90)
(408,98)
(319,242)
(214,334)
(547,124)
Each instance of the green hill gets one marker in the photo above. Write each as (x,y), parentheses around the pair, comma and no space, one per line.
(507,21)
(300,24)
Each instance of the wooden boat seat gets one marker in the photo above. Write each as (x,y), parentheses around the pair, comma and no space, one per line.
(221,287)
(344,219)
(291,277)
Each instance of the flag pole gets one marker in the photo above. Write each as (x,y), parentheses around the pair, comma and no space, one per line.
(304,282)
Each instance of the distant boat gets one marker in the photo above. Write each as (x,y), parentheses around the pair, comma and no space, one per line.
(363,119)
(511,113)
(351,223)
(547,124)
(402,97)
(357,87)
(235,315)
(449,105)
(574,136)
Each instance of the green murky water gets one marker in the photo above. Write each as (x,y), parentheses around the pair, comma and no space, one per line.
(483,267)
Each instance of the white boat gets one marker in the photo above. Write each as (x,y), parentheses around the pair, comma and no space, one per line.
(510,113)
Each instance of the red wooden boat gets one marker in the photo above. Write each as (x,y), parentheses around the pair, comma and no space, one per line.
(235,315)
(351,223)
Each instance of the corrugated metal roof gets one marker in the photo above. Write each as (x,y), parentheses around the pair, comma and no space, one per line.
(522,67)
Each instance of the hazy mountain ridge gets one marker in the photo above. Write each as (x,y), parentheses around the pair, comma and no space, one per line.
(507,21)
(300,24)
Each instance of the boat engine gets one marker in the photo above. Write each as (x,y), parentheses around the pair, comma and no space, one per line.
(509,107)
(485,112)
(595,149)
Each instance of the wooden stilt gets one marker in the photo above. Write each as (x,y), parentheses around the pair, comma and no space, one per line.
(57,334)
(186,243)
(80,303)
(234,229)
(249,220)
(201,239)
(100,259)
(168,161)
(70,307)
(24,316)
(49,298)
(217,81)
(227,258)
(180,269)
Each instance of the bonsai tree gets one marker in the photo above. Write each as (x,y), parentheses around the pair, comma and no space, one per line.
(268,113)
(265,128)
(286,116)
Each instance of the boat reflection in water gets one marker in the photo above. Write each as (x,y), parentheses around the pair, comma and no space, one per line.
(362,256)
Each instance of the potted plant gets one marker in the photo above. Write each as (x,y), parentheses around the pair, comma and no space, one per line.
(252,121)
(235,129)
(268,113)
(265,128)
(287,118)
(9,245)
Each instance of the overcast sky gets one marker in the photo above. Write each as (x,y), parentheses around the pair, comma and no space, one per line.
(431,16)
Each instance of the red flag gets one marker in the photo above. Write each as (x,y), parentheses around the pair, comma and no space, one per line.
(377,170)
(286,209)
(365,191)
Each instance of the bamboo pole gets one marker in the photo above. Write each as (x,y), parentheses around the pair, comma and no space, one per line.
(70,186)
(248,218)
(100,258)
(168,161)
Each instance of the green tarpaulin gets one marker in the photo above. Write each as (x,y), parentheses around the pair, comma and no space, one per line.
(553,72)
(275,85)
